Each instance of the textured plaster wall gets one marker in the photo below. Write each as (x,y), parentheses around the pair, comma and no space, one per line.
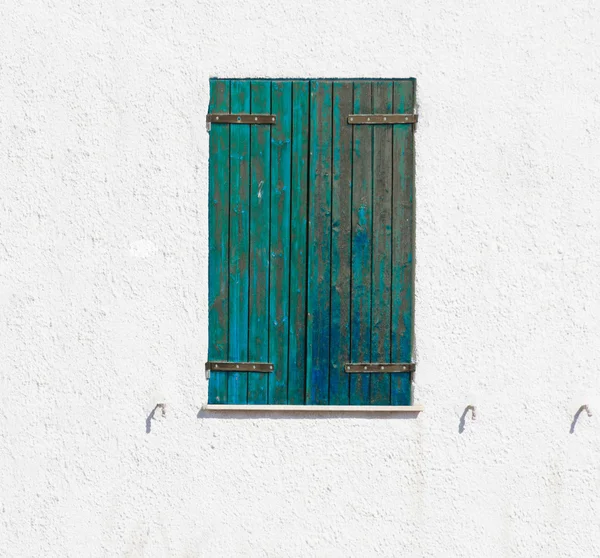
(103,286)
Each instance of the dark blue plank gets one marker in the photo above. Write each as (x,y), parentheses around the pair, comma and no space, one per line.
(402,241)
(239,228)
(260,151)
(381,273)
(218,240)
(341,229)
(279,270)
(298,256)
(362,197)
(319,259)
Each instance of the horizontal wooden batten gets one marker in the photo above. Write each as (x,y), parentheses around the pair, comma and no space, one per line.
(378,368)
(317,408)
(382,118)
(241,119)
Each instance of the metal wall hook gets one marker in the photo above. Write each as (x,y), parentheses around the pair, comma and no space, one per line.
(473,410)
(586,409)
(588,412)
(461,424)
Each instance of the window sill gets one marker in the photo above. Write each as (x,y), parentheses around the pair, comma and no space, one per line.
(318,408)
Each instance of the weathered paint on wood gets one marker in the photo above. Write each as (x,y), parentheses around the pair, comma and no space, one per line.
(311,242)
(258,305)
(341,230)
(402,246)
(319,251)
(218,240)
(381,273)
(298,255)
(239,236)
(279,270)
(362,215)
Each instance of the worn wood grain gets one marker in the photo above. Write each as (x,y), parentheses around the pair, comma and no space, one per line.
(239,226)
(381,272)
(218,240)
(402,246)
(319,260)
(260,171)
(279,281)
(362,193)
(298,247)
(341,228)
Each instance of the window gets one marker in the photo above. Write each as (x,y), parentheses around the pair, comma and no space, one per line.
(311,242)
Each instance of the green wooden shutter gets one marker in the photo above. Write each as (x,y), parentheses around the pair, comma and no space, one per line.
(310,242)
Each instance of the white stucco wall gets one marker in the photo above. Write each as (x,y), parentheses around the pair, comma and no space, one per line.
(103,286)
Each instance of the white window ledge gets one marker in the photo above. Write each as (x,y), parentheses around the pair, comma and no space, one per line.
(319,408)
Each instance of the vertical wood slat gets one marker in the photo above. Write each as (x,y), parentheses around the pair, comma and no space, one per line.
(239,226)
(218,240)
(361,244)
(341,228)
(402,242)
(258,307)
(279,281)
(319,227)
(298,245)
(381,273)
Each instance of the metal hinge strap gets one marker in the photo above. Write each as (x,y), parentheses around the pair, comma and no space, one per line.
(241,118)
(237,367)
(382,118)
(378,367)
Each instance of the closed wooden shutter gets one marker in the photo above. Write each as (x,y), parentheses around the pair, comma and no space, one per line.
(310,242)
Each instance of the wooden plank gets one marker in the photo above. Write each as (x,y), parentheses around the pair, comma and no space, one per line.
(218,240)
(381,272)
(298,256)
(319,258)
(239,225)
(402,241)
(362,191)
(317,408)
(260,152)
(279,281)
(341,229)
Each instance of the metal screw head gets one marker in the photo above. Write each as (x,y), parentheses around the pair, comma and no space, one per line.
(237,365)
(239,118)
(365,367)
(385,117)
(216,366)
(273,119)
(216,118)
(406,118)
(382,367)
(255,118)
(368,119)
(351,119)
(254,366)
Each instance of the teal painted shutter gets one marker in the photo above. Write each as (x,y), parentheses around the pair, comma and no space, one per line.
(311,242)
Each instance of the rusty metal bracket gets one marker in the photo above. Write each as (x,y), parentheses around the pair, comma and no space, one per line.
(241,118)
(237,367)
(378,367)
(383,118)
